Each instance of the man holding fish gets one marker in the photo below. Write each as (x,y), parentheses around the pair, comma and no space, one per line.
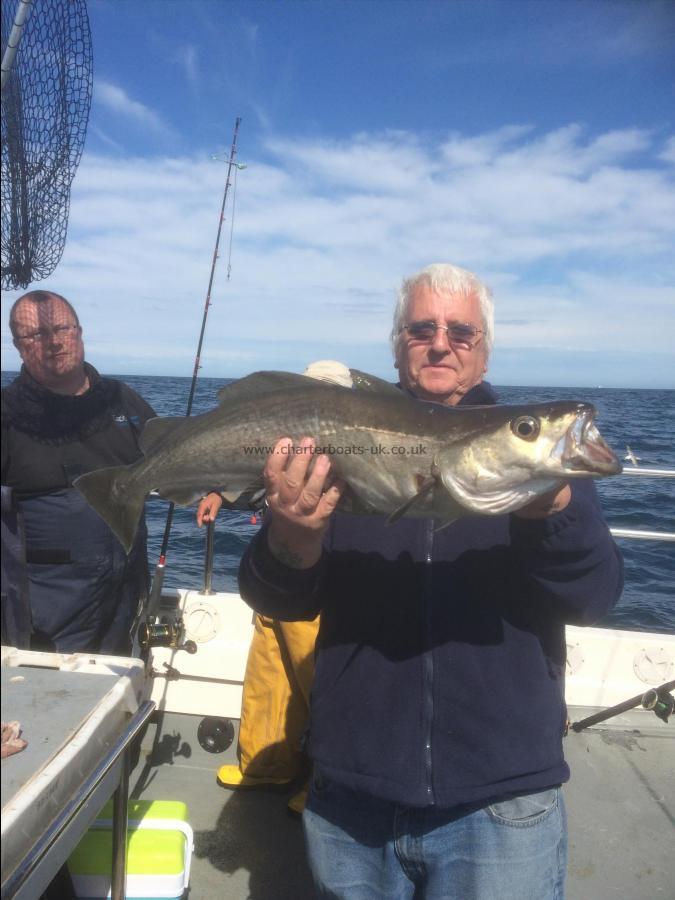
(443,579)
(438,702)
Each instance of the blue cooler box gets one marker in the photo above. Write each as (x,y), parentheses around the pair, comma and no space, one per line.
(159,851)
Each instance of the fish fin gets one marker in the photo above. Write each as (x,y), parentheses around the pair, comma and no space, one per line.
(155,430)
(338,373)
(236,494)
(120,506)
(182,497)
(362,381)
(263,383)
(258,384)
(425,489)
(253,497)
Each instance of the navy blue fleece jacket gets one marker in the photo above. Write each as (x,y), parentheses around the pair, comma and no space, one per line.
(441,655)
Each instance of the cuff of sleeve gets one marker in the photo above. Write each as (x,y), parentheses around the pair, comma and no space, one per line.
(278,575)
(531,531)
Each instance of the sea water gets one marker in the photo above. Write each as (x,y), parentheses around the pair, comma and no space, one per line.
(643,420)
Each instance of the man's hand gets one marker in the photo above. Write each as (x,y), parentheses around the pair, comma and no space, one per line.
(208,508)
(547,504)
(301,499)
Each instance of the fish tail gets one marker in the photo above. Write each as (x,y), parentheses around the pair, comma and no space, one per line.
(113,495)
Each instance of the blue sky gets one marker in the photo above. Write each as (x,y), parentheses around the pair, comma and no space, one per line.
(532,142)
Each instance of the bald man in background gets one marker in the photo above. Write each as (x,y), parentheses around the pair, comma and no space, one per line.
(68,586)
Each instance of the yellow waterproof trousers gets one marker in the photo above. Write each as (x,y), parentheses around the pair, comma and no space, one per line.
(275,702)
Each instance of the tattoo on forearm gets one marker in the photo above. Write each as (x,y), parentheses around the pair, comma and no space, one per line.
(287,556)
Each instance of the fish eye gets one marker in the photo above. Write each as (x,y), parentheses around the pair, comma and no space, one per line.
(526,427)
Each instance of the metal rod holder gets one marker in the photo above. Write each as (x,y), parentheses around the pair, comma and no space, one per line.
(208,559)
(119,834)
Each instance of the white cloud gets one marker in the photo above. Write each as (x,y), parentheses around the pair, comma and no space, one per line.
(370,163)
(668,152)
(466,152)
(187,58)
(105,138)
(574,232)
(118,101)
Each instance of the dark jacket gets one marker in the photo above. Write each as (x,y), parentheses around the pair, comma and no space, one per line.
(82,590)
(441,655)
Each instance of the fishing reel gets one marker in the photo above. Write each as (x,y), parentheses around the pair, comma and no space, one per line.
(165,634)
(660,701)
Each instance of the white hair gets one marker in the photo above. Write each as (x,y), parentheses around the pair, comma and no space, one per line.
(445,279)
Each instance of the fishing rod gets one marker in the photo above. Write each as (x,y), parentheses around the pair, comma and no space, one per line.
(146,632)
(659,699)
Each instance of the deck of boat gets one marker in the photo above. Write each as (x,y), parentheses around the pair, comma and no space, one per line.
(621,808)
(620,801)
(247,845)
(621,798)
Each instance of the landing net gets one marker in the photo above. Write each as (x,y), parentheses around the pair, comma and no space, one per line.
(45,109)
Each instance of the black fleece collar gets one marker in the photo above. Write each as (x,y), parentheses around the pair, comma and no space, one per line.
(58,418)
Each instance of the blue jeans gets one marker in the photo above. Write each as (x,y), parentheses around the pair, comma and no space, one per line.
(362,848)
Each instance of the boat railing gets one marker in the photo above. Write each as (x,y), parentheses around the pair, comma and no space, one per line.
(628,533)
(637,533)
(649,473)
(640,535)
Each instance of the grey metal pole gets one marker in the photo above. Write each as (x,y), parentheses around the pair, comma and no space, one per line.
(648,473)
(119,836)
(208,562)
(638,534)
(20,19)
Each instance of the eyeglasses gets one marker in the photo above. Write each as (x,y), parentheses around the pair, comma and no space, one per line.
(43,334)
(459,334)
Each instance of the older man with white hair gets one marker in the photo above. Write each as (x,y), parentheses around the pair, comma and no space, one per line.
(437,709)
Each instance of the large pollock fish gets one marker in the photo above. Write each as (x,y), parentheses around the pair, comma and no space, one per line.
(398,455)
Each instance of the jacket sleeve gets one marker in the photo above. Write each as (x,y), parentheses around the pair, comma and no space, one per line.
(276,590)
(568,562)
(4,452)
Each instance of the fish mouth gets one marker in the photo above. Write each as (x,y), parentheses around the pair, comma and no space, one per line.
(585,449)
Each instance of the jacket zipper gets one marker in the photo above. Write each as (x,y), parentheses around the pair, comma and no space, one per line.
(428,660)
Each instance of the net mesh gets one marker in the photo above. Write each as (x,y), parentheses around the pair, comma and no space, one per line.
(45,109)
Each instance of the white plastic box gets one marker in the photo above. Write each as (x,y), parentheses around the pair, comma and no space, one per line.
(159,852)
